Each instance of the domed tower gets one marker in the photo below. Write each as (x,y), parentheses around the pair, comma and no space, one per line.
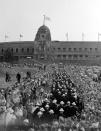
(42,44)
(43,34)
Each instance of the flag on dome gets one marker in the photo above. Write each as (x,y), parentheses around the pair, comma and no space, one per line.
(67,36)
(47,18)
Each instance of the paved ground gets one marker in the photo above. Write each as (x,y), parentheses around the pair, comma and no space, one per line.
(4,84)
(12,71)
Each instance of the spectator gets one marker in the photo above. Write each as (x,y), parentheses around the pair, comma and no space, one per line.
(7,79)
(18,76)
(28,75)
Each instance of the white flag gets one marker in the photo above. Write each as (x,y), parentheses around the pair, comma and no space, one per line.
(47,18)
(67,36)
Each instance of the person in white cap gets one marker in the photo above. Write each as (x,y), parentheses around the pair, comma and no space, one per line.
(61,112)
(54,101)
(42,109)
(40,113)
(62,103)
(47,107)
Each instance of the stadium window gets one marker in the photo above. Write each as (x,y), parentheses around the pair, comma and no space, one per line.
(69,56)
(2,50)
(97,56)
(90,49)
(32,49)
(69,49)
(96,49)
(64,49)
(12,50)
(16,50)
(53,48)
(86,56)
(22,49)
(64,56)
(81,56)
(27,49)
(58,56)
(75,56)
(58,49)
(74,49)
(80,49)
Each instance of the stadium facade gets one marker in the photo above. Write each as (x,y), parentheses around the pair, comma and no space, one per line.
(44,49)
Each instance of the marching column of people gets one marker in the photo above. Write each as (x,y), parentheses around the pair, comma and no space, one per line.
(63,101)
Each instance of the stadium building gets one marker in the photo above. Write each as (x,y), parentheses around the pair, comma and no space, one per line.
(44,49)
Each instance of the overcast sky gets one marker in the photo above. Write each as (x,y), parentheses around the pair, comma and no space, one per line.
(72,16)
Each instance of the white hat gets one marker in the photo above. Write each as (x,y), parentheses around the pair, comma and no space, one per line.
(56,123)
(60,87)
(59,92)
(42,109)
(63,95)
(47,106)
(74,103)
(61,102)
(46,99)
(51,111)
(38,104)
(40,113)
(26,121)
(61,110)
(54,101)
(68,102)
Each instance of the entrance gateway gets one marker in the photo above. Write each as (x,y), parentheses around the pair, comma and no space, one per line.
(43,44)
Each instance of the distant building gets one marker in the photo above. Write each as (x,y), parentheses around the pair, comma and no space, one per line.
(43,48)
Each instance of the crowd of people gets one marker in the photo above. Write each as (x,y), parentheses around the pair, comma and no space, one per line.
(54,99)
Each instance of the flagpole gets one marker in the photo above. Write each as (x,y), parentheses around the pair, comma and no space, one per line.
(82,36)
(20,37)
(98,37)
(67,36)
(44,20)
(6,37)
